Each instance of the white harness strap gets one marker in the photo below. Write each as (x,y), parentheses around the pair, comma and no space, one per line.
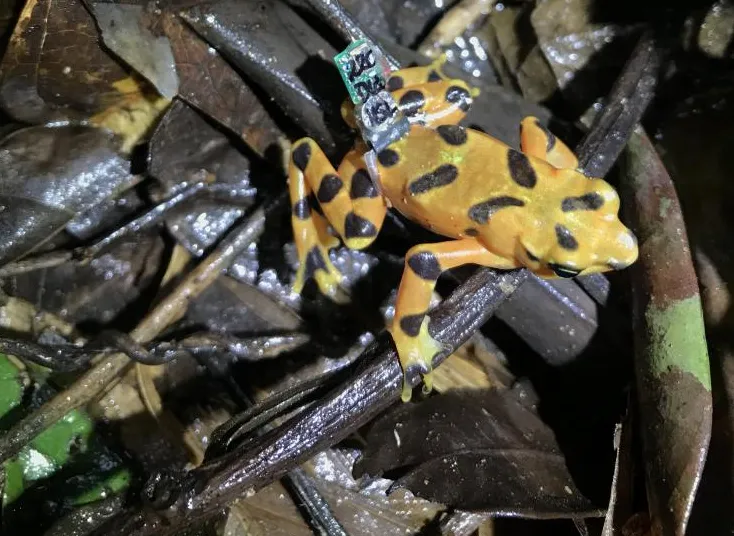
(370,160)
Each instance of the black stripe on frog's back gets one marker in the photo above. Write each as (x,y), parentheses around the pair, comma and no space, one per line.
(443,175)
(459,95)
(590,201)
(521,170)
(452,134)
(482,212)
(388,157)
(394,83)
(412,102)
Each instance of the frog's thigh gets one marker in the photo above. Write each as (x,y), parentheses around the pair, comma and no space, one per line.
(349,201)
(536,140)
(423,265)
(310,229)
(358,207)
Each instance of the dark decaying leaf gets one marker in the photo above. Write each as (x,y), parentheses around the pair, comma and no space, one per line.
(97,291)
(560,322)
(280,53)
(695,154)
(107,216)
(671,356)
(124,30)
(49,175)
(41,81)
(480,450)
(185,149)
(583,53)
(235,307)
(209,83)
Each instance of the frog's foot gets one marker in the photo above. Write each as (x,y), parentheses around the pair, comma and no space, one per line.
(315,262)
(416,349)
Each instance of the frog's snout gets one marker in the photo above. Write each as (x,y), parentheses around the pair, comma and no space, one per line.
(625,250)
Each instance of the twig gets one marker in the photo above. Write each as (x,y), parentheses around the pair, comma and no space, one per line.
(225,192)
(625,105)
(317,509)
(345,26)
(37,262)
(58,357)
(168,311)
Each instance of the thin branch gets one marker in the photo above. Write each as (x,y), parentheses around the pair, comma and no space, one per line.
(169,310)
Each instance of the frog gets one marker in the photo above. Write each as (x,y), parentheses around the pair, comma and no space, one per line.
(496,206)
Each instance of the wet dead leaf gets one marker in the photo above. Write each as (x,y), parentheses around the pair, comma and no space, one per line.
(49,176)
(285,57)
(184,149)
(479,450)
(125,31)
(208,82)
(99,291)
(41,81)
(671,355)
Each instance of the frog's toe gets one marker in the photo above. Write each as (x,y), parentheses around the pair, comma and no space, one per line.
(416,352)
(425,369)
(316,263)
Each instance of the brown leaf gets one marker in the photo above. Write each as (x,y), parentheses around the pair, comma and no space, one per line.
(671,355)
(209,83)
(49,176)
(42,80)
(284,56)
(124,29)
(479,450)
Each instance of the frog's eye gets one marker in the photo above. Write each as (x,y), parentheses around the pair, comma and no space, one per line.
(563,271)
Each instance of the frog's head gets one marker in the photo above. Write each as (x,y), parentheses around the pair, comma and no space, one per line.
(578,233)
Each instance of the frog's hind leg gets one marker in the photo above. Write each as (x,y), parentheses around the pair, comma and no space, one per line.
(413,76)
(423,264)
(402,81)
(536,140)
(348,200)
(444,102)
(427,96)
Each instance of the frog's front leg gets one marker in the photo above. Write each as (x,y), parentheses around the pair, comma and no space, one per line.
(423,264)
(349,200)
(536,140)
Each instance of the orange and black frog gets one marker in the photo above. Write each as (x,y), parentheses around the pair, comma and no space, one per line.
(496,206)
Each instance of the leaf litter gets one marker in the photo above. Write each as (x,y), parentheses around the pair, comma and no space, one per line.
(154,162)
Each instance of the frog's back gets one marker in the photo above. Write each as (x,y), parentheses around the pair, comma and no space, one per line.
(452,179)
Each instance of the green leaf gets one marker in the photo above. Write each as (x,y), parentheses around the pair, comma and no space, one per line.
(55,448)
(73,430)
(11,389)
